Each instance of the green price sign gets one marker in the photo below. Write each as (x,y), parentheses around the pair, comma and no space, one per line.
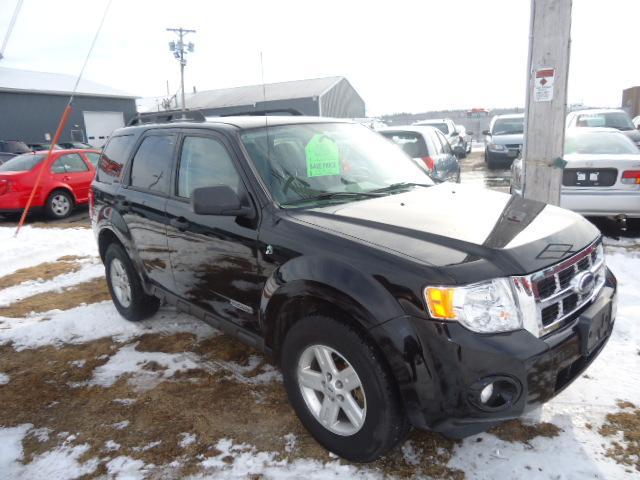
(323,157)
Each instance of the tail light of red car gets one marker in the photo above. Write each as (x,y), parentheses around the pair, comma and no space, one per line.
(5,186)
(631,177)
(429,162)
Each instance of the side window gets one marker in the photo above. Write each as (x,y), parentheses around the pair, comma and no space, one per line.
(113,158)
(71,163)
(152,162)
(93,158)
(205,162)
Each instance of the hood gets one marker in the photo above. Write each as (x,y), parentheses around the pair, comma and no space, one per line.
(452,225)
(513,139)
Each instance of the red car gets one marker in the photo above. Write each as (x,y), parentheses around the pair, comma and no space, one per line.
(65,182)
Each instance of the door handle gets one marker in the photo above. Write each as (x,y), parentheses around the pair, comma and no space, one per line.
(180,223)
(66,178)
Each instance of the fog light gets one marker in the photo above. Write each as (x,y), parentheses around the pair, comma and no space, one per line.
(486,393)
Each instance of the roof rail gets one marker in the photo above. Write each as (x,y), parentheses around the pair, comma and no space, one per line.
(167,116)
(282,111)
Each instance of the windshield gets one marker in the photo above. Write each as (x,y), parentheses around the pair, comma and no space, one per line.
(21,163)
(443,127)
(599,143)
(302,162)
(508,126)
(618,120)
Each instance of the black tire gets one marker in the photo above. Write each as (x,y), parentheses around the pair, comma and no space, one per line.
(385,423)
(59,204)
(140,305)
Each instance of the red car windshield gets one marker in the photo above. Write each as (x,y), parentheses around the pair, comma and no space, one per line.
(22,163)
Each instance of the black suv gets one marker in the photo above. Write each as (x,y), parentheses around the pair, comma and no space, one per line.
(387,303)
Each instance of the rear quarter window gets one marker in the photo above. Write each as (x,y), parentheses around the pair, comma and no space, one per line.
(113,158)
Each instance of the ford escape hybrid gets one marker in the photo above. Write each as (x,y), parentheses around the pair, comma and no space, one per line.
(387,301)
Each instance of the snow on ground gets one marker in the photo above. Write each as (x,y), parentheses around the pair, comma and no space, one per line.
(90,268)
(33,246)
(578,451)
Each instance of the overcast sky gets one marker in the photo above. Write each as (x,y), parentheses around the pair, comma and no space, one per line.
(400,55)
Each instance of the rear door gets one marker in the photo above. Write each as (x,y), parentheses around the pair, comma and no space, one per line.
(214,258)
(142,202)
(72,170)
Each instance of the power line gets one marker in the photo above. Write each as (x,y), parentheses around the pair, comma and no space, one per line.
(14,18)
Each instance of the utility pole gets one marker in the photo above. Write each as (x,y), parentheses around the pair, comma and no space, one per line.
(545,113)
(12,23)
(178,49)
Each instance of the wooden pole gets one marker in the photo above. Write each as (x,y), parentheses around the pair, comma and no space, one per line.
(545,113)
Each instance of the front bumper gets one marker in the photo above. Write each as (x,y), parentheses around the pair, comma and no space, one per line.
(440,366)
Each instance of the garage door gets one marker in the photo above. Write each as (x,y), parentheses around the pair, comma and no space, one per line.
(99,126)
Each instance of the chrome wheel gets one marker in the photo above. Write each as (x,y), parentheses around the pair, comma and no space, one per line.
(120,282)
(332,390)
(60,205)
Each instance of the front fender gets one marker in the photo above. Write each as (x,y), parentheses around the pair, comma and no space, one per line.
(328,280)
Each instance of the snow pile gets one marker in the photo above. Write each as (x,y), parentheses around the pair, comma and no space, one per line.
(4,378)
(33,246)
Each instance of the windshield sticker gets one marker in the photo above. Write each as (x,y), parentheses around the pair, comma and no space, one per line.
(323,157)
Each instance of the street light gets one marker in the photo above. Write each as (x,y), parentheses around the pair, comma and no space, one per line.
(178,49)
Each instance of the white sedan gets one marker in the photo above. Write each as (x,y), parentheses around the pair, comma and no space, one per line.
(602,174)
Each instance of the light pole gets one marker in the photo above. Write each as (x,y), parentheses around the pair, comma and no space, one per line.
(178,49)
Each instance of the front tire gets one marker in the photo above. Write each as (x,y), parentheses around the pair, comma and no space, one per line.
(59,205)
(341,389)
(125,287)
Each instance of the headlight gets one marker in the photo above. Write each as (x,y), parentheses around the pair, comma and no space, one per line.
(497,148)
(486,307)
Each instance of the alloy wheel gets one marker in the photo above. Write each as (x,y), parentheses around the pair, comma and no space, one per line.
(120,283)
(60,204)
(332,390)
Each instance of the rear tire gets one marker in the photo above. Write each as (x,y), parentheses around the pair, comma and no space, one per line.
(125,287)
(59,205)
(361,423)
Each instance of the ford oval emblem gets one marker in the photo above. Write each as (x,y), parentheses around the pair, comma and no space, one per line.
(583,283)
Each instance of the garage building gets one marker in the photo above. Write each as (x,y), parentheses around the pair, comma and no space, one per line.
(322,97)
(31,104)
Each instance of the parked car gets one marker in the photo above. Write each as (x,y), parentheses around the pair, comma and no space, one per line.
(64,184)
(605,118)
(503,141)
(387,301)
(448,129)
(11,148)
(602,175)
(78,145)
(466,138)
(36,147)
(428,148)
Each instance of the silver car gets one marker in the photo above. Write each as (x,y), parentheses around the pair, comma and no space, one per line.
(504,139)
(428,148)
(602,175)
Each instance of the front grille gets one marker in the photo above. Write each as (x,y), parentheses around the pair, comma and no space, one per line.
(514,146)
(558,296)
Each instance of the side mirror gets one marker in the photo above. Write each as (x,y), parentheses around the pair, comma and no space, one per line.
(470,133)
(455,134)
(217,200)
(486,132)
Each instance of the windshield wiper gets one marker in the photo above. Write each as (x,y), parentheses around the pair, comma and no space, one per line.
(335,195)
(396,186)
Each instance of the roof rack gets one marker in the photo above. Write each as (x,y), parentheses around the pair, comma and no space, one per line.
(282,111)
(167,116)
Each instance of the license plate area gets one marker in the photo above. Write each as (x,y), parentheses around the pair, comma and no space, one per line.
(589,177)
(593,327)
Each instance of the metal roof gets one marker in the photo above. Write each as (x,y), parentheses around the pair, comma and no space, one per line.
(252,94)
(15,80)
